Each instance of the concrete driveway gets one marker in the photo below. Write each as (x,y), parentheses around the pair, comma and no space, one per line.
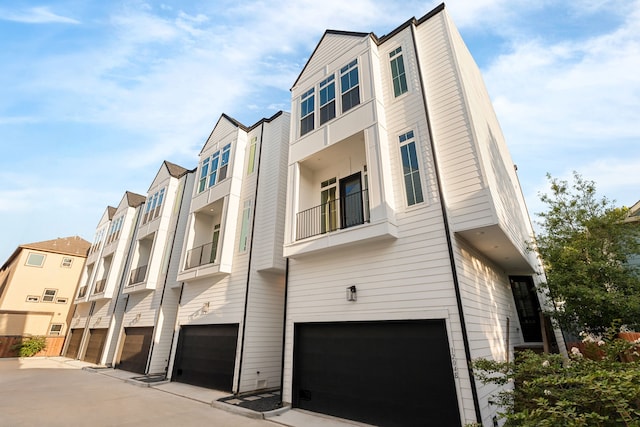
(57,392)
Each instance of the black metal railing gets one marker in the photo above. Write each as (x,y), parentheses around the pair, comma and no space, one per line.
(138,275)
(100,286)
(83,291)
(205,254)
(344,212)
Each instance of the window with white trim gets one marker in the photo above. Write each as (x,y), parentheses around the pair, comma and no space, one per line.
(307,116)
(410,168)
(49,295)
(66,262)
(115,229)
(154,206)
(246,222)
(398,75)
(327,99)
(33,298)
(350,86)
(35,259)
(251,167)
(55,329)
(62,300)
(214,169)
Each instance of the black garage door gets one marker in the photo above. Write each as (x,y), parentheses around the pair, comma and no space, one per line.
(74,343)
(206,356)
(97,337)
(395,373)
(135,349)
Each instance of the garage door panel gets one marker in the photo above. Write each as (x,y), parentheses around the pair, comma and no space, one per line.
(206,355)
(95,346)
(384,373)
(74,343)
(135,349)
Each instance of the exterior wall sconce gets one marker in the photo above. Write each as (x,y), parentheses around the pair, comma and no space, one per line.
(351,293)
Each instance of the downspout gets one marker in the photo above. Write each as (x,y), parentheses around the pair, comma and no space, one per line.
(166,276)
(452,260)
(284,324)
(173,336)
(246,294)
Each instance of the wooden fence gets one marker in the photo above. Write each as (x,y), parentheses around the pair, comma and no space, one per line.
(53,348)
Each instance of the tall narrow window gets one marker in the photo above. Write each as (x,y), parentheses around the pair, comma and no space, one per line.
(244,231)
(224,163)
(398,74)
(327,99)
(350,86)
(213,173)
(410,168)
(252,155)
(159,206)
(204,171)
(306,111)
(214,243)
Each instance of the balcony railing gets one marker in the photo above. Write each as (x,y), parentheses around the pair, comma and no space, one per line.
(138,275)
(100,286)
(347,211)
(83,291)
(205,254)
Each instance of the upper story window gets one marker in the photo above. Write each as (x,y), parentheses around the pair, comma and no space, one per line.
(410,168)
(306,111)
(245,228)
(251,167)
(327,99)
(66,262)
(97,241)
(350,86)
(49,295)
(114,231)
(35,259)
(398,74)
(214,169)
(154,205)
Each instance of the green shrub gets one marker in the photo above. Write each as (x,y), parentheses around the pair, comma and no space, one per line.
(30,346)
(547,390)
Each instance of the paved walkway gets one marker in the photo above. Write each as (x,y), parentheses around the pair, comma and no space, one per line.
(57,391)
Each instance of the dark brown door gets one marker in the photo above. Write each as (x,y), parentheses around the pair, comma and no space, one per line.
(97,337)
(395,373)
(74,343)
(135,349)
(206,356)
(351,212)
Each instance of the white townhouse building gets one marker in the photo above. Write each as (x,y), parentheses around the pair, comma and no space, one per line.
(231,275)
(406,232)
(144,322)
(100,281)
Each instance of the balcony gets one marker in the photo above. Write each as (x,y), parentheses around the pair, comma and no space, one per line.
(82,292)
(352,209)
(202,255)
(138,275)
(100,285)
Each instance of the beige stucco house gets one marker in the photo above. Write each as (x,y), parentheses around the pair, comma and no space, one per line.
(38,284)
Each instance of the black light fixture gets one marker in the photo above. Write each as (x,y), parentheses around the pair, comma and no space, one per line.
(351,293)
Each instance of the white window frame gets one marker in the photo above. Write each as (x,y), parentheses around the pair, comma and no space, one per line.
(253,144)
(67,262)
(32,298)
(245,229)
(325,88)
(346,75)
(57,332)
(62,300)
(29,262)
(307,110)
(46,295)
(407,139)
(397,58)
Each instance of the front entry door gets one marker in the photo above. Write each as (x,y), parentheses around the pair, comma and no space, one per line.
(351,201)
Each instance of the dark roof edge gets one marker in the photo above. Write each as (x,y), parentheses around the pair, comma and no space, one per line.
(377,40)
(175,170)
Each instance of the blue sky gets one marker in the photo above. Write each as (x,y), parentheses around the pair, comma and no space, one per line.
(95,95)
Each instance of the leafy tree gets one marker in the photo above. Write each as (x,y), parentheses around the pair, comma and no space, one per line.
(585,244)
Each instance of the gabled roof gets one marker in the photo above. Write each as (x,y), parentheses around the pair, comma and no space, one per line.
(239,125)
(111,211)
(175,170)
(134,200)
(74,245)
(376,39)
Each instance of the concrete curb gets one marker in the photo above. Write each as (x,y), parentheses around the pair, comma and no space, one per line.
(237,410)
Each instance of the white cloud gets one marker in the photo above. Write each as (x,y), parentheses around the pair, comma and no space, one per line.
(36,15)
